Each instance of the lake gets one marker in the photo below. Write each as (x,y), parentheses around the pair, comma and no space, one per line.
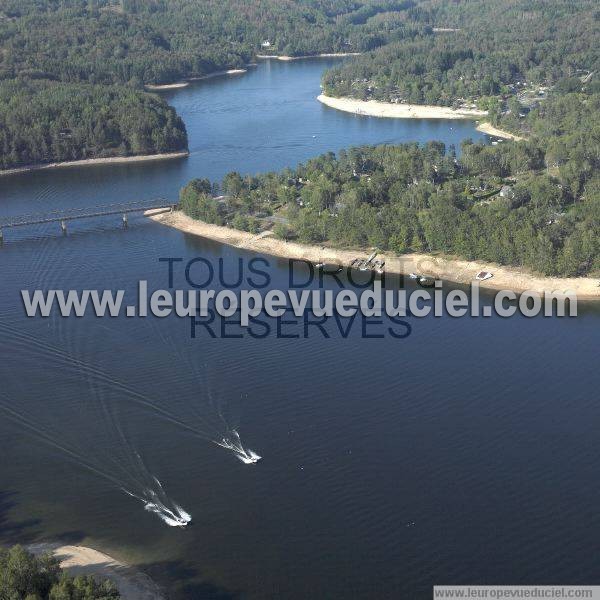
(465,452)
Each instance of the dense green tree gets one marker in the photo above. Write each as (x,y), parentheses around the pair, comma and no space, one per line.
(160,41)
(200,204)
(28,577)
(232,183)
(468,50)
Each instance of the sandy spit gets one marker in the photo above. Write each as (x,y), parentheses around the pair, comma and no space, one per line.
(219,74)
(373,108)
(324,55)
(113,160)
(80,560)
(166,86)
(442,267)
(182,84)
(491,130)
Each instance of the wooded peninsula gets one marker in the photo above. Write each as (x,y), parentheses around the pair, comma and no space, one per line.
(533,203)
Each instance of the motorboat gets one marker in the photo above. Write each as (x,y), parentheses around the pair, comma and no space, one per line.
(483,276)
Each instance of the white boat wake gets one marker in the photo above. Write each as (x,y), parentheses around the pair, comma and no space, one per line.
(154,497)
(209,419)
(169,517)
(131,476)
(234,443)
(157,502)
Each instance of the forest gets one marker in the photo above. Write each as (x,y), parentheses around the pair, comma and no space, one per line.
(471,50)
(25,576)
(533,204)
(43,121)
(159,41)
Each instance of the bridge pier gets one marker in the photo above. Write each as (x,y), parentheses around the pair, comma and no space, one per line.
(1,238)
(62,216)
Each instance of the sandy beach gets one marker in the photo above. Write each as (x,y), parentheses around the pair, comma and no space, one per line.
(491,130)
(447,268)
(183,84)
(113,160)
(373,108)
(80,560)
(166,86)
(219,74)
(324,55)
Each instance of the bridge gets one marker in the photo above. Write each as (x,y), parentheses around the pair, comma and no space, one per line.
(87,212)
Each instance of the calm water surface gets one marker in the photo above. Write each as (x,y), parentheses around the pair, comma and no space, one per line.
(465,452)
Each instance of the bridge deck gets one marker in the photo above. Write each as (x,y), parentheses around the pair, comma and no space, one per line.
(88,212)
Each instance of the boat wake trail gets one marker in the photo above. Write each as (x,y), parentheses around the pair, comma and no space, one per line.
(234,443)
(191,404)
(208,421)
(210,412)
(78,415)
(131,476)
(88,370)
(156,501)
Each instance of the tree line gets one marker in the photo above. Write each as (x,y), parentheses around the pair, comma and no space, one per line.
(160,41)
(467,51)
(24,576)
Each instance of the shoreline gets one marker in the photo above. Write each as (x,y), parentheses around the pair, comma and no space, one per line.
(285,57)
(489,129)
(450,269)
(218,74)
(151,87)
(374,108)
(111,160)
(155,87)
(81,560)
